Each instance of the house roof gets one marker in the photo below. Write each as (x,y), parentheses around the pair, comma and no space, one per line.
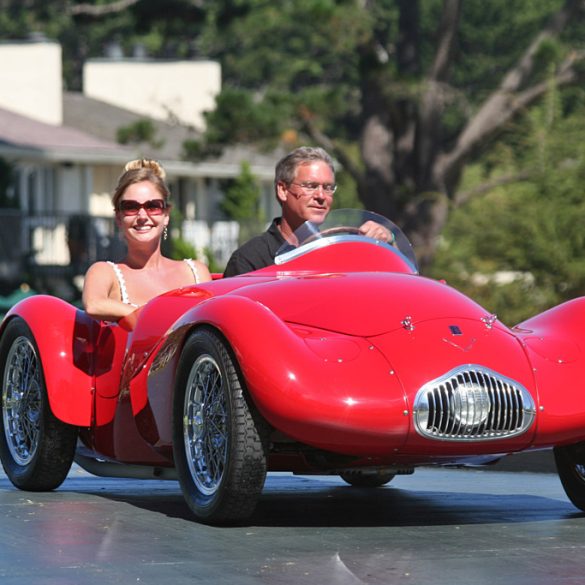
(23,137)
(103,120)
(89,135)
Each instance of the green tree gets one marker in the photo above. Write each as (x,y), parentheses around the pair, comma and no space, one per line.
(141,131)
(241,203)
(242,196)
(86,29)
(406,94)
(520,248)
(424,88)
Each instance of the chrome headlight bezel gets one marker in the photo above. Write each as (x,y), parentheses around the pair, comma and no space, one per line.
(471,403)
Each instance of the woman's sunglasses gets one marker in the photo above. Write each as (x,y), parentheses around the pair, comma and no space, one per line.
(132,207)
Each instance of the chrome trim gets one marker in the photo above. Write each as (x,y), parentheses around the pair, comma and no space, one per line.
(330,240)
(473,403)
(321,243)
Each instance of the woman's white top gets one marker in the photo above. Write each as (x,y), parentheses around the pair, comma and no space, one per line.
(122,282)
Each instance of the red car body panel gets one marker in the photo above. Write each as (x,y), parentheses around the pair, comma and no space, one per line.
(66,340)
(554,344)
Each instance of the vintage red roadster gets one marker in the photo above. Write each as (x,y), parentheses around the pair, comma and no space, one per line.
(338,359)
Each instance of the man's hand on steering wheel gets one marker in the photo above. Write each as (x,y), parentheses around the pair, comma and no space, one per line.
(376,231)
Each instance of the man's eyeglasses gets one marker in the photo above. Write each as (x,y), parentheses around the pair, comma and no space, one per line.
(131,207)
(328,188)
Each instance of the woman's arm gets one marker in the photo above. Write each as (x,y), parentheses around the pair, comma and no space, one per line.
(99,285)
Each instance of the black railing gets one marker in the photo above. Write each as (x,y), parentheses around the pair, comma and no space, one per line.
(10,244)
(48,251)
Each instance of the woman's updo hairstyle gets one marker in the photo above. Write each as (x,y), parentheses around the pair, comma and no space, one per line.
(139,170)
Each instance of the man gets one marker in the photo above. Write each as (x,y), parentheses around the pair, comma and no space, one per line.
(304,182)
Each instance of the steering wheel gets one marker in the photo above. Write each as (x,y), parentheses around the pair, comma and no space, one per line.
(333,231)
(341,229)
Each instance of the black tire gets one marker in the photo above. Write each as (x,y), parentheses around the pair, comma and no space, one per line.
(570,461)
(367,479)
(36,449)
(219,441)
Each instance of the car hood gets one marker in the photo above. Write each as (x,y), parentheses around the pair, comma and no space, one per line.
(361,304)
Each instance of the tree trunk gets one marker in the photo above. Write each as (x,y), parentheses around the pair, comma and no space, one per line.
(409,175)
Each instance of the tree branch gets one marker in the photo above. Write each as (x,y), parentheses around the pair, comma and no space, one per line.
(518,74)
(463,197)
(325,142)
(504,103)
(431,103)
(447,31)
(101,9)
(564,76)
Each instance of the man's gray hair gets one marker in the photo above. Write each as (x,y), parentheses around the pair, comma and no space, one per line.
(286,167)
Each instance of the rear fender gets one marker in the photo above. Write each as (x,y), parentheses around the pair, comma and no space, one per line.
(555,344)
(566,320)
(65,337)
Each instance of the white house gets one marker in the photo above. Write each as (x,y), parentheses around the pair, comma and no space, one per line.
(162,90)
(65,158)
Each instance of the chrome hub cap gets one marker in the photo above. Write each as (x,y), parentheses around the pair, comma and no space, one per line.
(21,401)
(205,425)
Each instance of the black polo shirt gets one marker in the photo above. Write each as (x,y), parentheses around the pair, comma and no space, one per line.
(257,252)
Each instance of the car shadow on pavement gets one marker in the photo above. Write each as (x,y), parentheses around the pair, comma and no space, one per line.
(390,506)
(305,502)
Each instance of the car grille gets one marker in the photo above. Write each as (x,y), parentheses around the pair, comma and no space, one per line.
(473,403)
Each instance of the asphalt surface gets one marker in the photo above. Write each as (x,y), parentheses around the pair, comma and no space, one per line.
(434,527)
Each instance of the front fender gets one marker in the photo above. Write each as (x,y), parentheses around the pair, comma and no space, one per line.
(329,390)
(65,337)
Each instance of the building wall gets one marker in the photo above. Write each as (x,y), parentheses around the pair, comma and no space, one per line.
(163,90)
(31,80)
(105,179)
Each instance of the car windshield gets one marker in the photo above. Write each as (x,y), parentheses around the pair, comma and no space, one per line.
(341,225)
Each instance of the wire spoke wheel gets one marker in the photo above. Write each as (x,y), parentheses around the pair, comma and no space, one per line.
(21,401)
(36,449)
(205,432)
(219,440)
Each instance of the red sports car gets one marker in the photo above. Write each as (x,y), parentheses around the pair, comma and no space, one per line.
(339,359)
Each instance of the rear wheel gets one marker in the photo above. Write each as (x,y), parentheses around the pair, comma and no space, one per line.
(367,479)
(219,440)
(570,461)
(36,449)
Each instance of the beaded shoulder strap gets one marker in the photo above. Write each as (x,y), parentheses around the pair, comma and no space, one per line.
(121,283)
(193,268)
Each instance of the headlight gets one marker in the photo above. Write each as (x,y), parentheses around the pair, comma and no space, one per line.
(470,406)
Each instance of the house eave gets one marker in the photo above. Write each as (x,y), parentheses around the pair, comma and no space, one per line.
(65,155)
(186,169)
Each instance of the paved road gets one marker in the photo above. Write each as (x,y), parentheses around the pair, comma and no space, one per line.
(434,527)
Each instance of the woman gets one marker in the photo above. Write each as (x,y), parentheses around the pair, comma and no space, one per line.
(141,202)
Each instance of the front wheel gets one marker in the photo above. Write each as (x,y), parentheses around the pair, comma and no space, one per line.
(570,461)
(36,449)
(219,441)
(364,478)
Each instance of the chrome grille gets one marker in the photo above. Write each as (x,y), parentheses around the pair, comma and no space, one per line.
(473,403)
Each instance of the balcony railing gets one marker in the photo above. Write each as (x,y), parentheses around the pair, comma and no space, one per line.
(34,248)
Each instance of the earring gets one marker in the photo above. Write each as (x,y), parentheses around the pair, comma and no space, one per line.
(165,233)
